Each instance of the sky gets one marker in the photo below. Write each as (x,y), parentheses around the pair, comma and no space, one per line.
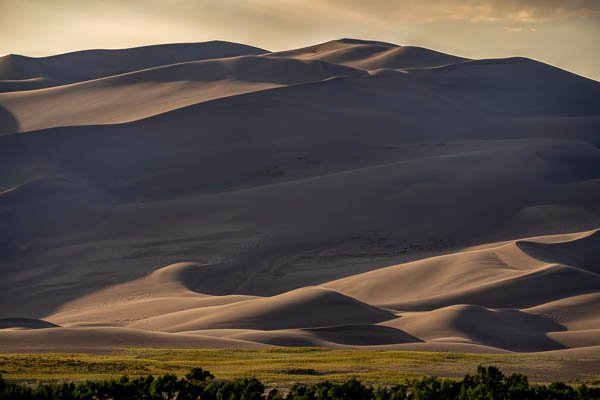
(564,33)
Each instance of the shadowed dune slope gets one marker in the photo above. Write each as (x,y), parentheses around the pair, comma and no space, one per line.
(502,276)
(25,323)
(548,90)
(162,292)
(321,317)
(315,316)
(346,336)
(514,330)
(189,219)
(141,94)
(583,253)
(92,64)
(8,122)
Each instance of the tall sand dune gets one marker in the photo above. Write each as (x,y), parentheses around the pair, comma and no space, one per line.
(92,64)
(348,194)
(140,94)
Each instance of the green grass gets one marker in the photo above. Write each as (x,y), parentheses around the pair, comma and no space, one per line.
(284,366)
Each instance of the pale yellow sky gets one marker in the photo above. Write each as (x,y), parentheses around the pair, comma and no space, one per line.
(564,33)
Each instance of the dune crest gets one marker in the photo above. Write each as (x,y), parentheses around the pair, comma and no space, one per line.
(92,64)
(143,93)
(295,309)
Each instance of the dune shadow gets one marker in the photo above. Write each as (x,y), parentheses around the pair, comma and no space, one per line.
(582,253)
(8,122)
(25,323)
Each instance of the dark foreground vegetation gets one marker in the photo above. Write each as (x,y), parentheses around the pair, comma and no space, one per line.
(488,383)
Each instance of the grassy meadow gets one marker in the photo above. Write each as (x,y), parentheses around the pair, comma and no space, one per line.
(282,367)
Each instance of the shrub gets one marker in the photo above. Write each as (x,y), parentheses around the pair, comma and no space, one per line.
(487,383)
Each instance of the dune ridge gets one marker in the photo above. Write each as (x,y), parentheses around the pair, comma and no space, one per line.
(91,64)
(142,93)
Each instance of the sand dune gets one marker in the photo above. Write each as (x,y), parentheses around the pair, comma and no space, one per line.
(509,329)
(351,193)
(346,336)
(164,301)
(549,88)
(15,85)
(403,58)
(126,238)
(370,55)
(334,46)
(92,64)
(101,339)
(502,276)
(162,292)
(577,312)
(583,253)
(140,94)
(295,309)
(577,338)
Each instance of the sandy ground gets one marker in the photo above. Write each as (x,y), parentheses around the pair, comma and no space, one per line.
(348,194)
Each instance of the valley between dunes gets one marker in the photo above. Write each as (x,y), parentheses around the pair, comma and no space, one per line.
(351,194)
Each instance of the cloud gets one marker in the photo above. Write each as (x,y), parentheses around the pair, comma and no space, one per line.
(527,11)
(519,29)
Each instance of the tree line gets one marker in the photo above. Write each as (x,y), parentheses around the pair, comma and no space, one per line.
(487,383)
